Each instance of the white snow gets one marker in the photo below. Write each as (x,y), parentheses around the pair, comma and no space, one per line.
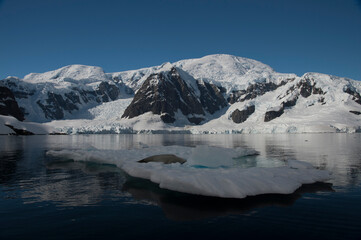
(110,110)
(62,82)
(36,128)
(68,73)
(135,78)
(231,72)
(220,177)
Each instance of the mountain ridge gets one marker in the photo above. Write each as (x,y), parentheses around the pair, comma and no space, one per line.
(215,93)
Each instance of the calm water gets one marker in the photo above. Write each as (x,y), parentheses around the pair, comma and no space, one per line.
(43,197)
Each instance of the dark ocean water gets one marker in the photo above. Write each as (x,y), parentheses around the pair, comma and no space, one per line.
(43,197)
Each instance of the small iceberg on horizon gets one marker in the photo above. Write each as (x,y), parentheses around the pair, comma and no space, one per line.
(207,171)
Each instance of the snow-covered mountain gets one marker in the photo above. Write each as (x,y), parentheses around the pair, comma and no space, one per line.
(66,93)
(214,94)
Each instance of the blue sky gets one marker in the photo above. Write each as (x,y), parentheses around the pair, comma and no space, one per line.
(290,36)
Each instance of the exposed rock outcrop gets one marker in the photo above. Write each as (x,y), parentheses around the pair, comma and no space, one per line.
(307,86)
(55,105)
(290,102)
(355,95)
(55,101)
(241,116)
(8,104)
(19,131)
(211,96)
(270,115)
(107,91)
(166,93)
(20,89)
(355,112)
(253,91)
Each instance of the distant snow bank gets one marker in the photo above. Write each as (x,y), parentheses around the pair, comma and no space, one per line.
(152,124)
(36,128)
(225,175)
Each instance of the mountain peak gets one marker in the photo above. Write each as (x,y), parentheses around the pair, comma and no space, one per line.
(232,72)
(224,63)
(75,72)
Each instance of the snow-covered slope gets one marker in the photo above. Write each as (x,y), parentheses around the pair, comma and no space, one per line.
(10,125)
(66,93)
(213,94)
(326,107)
(231,72)
(67,74)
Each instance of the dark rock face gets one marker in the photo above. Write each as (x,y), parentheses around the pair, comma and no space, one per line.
(107,91)
(270,115)
(355,112)
(165,93)
(20,131)
(355,95)
(85,95)
(211,97)
(20,90)
(55,104)
(8,104)
(195,120)
(290,103)
(322,100)
(253,91)
(166,118)
(241,116)
(307,87)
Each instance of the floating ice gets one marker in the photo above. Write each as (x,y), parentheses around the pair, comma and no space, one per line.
(219,176)
(217,157)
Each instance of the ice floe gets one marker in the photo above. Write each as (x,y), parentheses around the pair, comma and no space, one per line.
(209,171)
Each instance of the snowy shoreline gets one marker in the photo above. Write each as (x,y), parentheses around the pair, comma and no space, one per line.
(73,127)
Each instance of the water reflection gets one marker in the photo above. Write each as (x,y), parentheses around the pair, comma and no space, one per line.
(67,183)
(74,184)
(185,207)
(8,165)
(36,178)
